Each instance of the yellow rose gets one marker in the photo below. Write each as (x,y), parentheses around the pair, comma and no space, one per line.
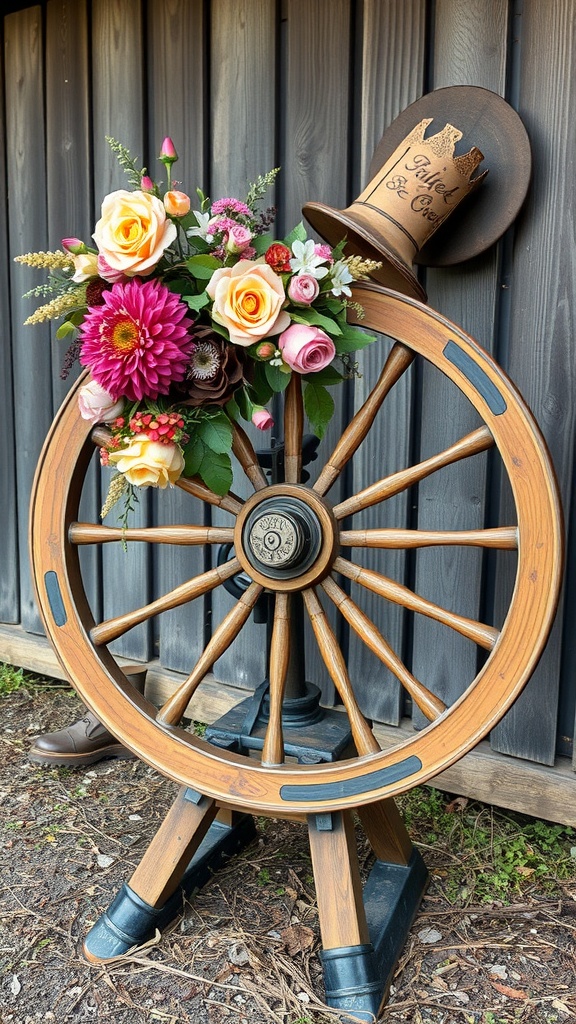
(85,267)
(133,232)
(147,463)
(248,299)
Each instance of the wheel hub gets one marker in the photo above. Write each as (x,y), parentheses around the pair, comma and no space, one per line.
(282,537)
(286,537)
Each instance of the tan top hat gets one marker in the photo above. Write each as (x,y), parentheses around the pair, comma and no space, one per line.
(418,178)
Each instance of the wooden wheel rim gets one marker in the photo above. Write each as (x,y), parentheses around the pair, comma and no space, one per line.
(232,778)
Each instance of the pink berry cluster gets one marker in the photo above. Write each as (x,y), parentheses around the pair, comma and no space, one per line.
(165,426)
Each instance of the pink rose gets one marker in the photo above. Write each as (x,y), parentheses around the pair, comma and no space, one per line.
(248,300)
(262,419)
(303,289)
(306,349)
(97,405)
(177,204)
(107,273)
(238,238)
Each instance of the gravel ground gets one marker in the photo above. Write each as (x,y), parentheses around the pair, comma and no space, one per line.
(244,948)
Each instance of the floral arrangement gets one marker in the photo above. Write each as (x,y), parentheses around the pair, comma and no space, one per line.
(192,319)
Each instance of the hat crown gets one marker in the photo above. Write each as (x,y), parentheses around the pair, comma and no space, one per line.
(417,188)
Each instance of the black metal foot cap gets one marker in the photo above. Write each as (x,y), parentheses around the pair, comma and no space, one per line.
(351,980)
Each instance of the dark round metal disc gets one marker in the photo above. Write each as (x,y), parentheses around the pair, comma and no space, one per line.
(490,123)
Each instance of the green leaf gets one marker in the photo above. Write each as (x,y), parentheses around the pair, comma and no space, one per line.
(216,471)
(203,266)
(243,403)
(329,375)
(261,243)
(197,302)
(194,453)
(216,432)
(312,316)
(352,339)
(66,330)
(277,378)
(319,406)
(298,234)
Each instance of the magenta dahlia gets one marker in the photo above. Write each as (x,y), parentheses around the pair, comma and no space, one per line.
(138,341)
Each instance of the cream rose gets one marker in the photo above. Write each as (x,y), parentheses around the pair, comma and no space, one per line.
(147,463)
(248,299)
(133,232)
(97,405)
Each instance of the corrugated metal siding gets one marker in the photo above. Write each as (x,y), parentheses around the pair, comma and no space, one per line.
(242,87)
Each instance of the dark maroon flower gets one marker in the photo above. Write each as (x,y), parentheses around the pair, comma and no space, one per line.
(215,370)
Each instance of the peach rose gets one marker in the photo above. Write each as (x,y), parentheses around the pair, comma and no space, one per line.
(133,232)
(177,204)
(306,349)
(248,299)
(97,405)
(147,463)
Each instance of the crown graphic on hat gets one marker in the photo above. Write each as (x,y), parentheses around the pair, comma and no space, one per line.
(418,181)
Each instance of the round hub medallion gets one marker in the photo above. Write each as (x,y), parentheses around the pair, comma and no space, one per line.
(282,537)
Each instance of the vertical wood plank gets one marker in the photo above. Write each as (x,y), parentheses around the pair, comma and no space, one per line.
(243,134)
(118,71)
(388,77)
(9,588)
(177,53)
(27,224)
(541,355)
(469,49)
(69,185)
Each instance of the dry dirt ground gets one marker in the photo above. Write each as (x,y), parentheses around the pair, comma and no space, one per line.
(244,949)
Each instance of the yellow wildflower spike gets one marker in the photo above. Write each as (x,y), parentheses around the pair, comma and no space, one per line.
(53,260)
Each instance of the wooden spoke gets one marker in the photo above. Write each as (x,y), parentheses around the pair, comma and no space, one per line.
(478,441)
(244,452)
(229,502)
(363,737)
(293,430)
(502,537)
(113,628)
(90,533)
(484,636)
(171,712)
(428,703)
(398,361)
(273,749)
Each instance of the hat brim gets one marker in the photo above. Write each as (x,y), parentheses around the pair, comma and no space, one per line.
(335,225)
(487,121)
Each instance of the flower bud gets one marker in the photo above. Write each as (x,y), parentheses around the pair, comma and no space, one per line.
(146,183)
(74,245)
(176,204)
(168,153)
(266,350)
(262,419)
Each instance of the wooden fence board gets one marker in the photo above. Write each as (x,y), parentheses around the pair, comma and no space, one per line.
(467,50)
(391,68)
(9,578)
(241,88)
(27,220)
(540,355)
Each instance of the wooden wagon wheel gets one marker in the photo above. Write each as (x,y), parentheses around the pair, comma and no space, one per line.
(289,540)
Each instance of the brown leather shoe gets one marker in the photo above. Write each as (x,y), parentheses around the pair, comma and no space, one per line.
(83,743)
(87,741)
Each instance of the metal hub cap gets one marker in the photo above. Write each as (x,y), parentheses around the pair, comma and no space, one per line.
(282,537)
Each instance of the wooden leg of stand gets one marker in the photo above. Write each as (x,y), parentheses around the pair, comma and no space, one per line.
(180,834)
(386,832)
(337,879)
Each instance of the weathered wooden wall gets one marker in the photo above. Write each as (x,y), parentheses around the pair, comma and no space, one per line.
(242,87)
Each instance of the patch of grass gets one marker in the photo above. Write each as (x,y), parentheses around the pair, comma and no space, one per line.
(484,853)
(13,679)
